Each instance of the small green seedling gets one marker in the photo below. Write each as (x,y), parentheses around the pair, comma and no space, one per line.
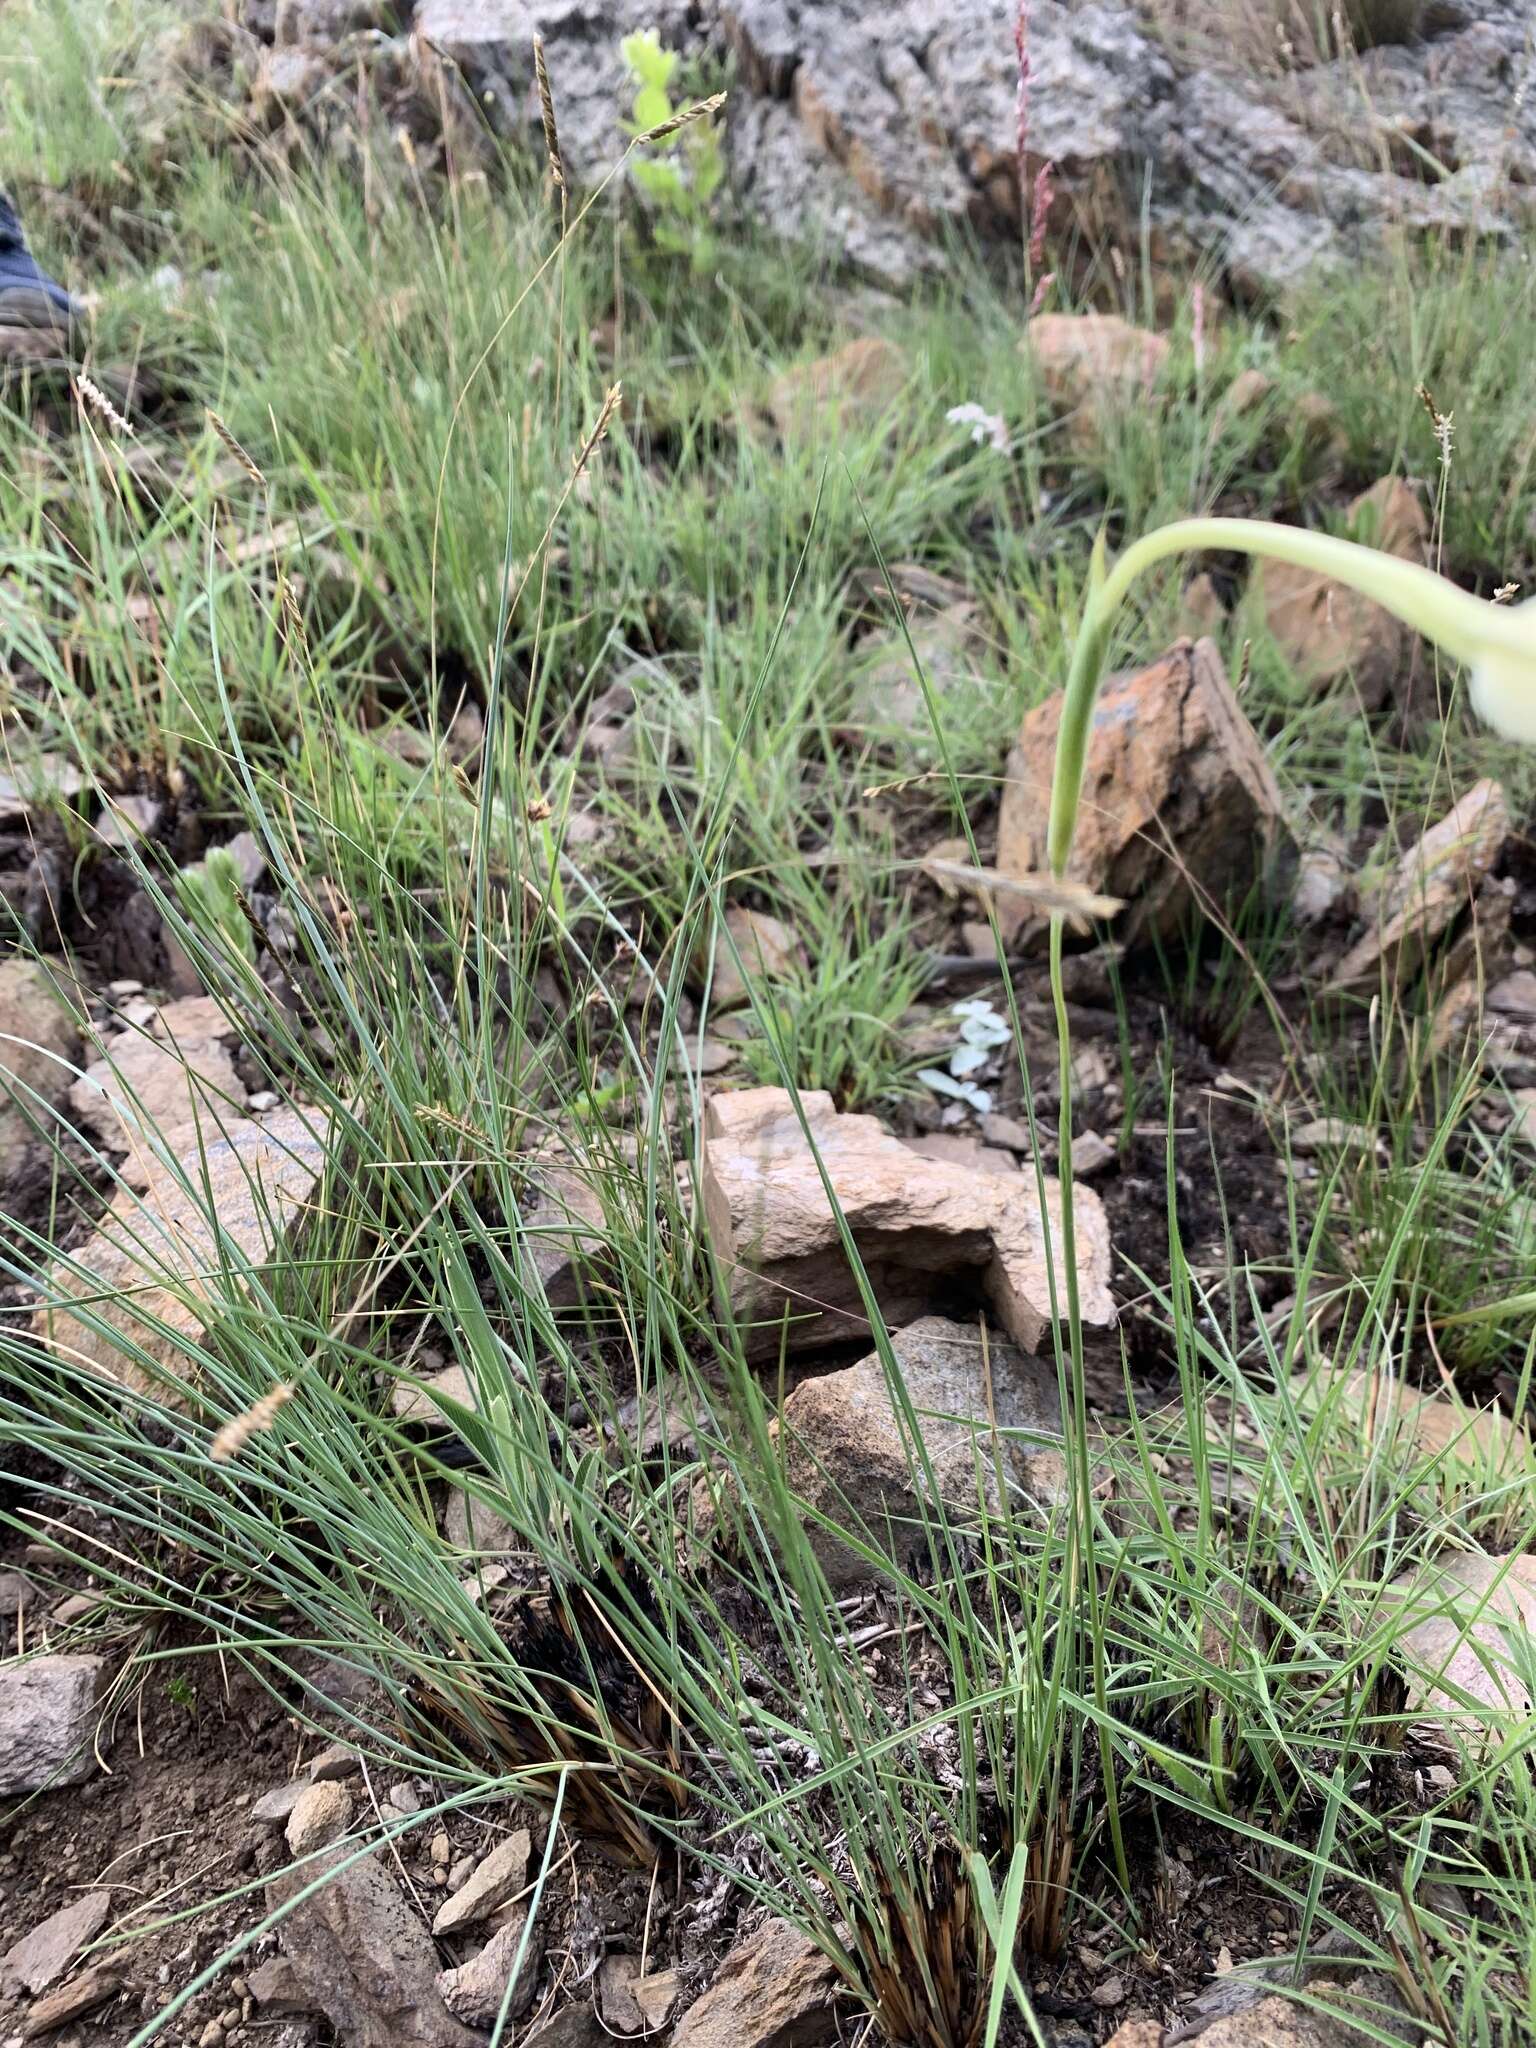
(681,181)
(212,895)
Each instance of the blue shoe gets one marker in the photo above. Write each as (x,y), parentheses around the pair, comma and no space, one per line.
(29,297)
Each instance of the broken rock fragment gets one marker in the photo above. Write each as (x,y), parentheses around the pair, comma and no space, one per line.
(361,1956)
(777,1990)
(1328,632)
(847,1455)
(921,1227)
(1471,1646)
(766,948)
(1179,802)
(1094,364)
(158,1256)
(47,1707)
(847,392)
(39,1043)
(1430,886)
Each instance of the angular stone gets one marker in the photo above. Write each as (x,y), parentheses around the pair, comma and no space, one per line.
(768,949)
(275,1806)
(362,1957)
(495,1879)
(156,1257)
(411,1400)
(82,1994)
(319,1817)
(1483,1440)
(848,392)
(916,1222)
(777,1990)
(1328,632)
(845,1453)
(888,695)
(574,2026)
(1471,1646)
(616,1979)
(1095,366)
(1178,796)
(47,1712)
(33,781)
(656,1997)
(162,1090)
(1430,886)
(39,1044)
(564,1225)
(41,1957)
(476,1992)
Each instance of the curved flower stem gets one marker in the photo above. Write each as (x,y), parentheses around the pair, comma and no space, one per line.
(1463,625)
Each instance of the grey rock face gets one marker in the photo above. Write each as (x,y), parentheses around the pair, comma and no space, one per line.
(872,130)
(46,1708)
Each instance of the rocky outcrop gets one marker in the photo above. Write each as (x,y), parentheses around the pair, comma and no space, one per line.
(922,1227)
(874,130)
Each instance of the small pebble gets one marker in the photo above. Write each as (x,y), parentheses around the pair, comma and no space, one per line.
(442,1848)
(336,1760)
(263,1099)
(460,1874)
(403,1797)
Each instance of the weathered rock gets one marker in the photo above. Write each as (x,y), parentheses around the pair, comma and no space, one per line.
(1471,1647)
(363,1958)
(1328,632)
(1483,1440)
(616,1979)
(275,1806)
(1431,885)
(277,1987)
(574,2026)
(469,1524)
(33,781)
(156,1258)
(1137,2033)
(1178,796)
(17,1593)
(162,1090)
(412,1400)
(775,1991)
(82,1994)
(767,947)
(41,1957)
(916,1222)
(338,1760)
(656,1997)
(39,1043)
(848,392)
(320,1816)
(846,1455)
(888,698)
(564,1225)
(1095,366)
(47,1711)
(494,1880)
(476,1992)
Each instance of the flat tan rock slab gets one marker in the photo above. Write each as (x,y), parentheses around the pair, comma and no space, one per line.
(162,1086)
(1094,365)
(1328,632)
(1179,801)
(846,392)
(918,1224)
(1431,885)
(161,1252)
(1471,1651)
(1434,1425)
(39,1045)
(755,951)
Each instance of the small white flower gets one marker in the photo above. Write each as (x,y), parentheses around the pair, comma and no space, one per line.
(984,426)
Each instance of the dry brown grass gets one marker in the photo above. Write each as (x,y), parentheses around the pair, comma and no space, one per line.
(1270,36)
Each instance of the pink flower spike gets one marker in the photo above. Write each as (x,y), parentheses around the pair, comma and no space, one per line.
(1040,213)
(1040,293)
